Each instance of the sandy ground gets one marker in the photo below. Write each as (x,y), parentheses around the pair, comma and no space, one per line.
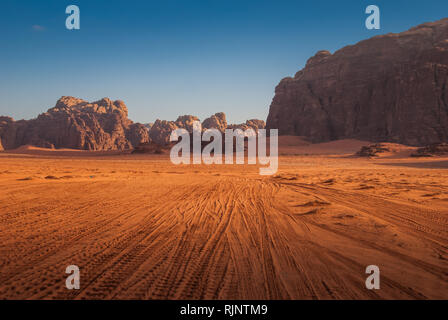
(140,227)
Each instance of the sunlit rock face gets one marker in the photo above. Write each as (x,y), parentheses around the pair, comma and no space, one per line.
(388,88)
(78,124)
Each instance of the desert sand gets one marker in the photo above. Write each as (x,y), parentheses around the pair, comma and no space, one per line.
(140,227)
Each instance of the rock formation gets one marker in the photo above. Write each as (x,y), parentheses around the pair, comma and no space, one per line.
(254,124)
(78,124)
(161,129)
(437,149)
(216,121)
(372,150)
(186,122)
(392,87)
(102,125)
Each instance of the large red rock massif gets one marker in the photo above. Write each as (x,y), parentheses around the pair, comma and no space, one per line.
(392,88)
(102,125)
(78,124)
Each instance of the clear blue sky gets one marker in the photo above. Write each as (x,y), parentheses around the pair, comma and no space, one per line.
(167,58)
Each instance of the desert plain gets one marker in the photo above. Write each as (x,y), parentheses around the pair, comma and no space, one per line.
(140,227)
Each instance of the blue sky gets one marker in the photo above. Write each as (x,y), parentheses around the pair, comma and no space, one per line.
(167,58)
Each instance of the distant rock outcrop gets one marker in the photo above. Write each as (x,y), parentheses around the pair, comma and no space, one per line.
(77,124)
(161,129)
(216,121)
(392,88)
(254,124)
(385,149)
(437,149)
(372,150)
(186,122)
(102,125)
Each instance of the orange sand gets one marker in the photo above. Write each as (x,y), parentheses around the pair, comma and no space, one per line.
(140,227)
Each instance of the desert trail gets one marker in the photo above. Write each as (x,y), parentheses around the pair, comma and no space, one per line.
(140,227)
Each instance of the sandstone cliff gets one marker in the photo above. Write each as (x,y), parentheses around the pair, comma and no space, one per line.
(78,124)
(388,88)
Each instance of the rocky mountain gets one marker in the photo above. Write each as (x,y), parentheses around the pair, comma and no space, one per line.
(392,87)
(102,125)
(78,124)
(161,129)
(254,124)
(216,121)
